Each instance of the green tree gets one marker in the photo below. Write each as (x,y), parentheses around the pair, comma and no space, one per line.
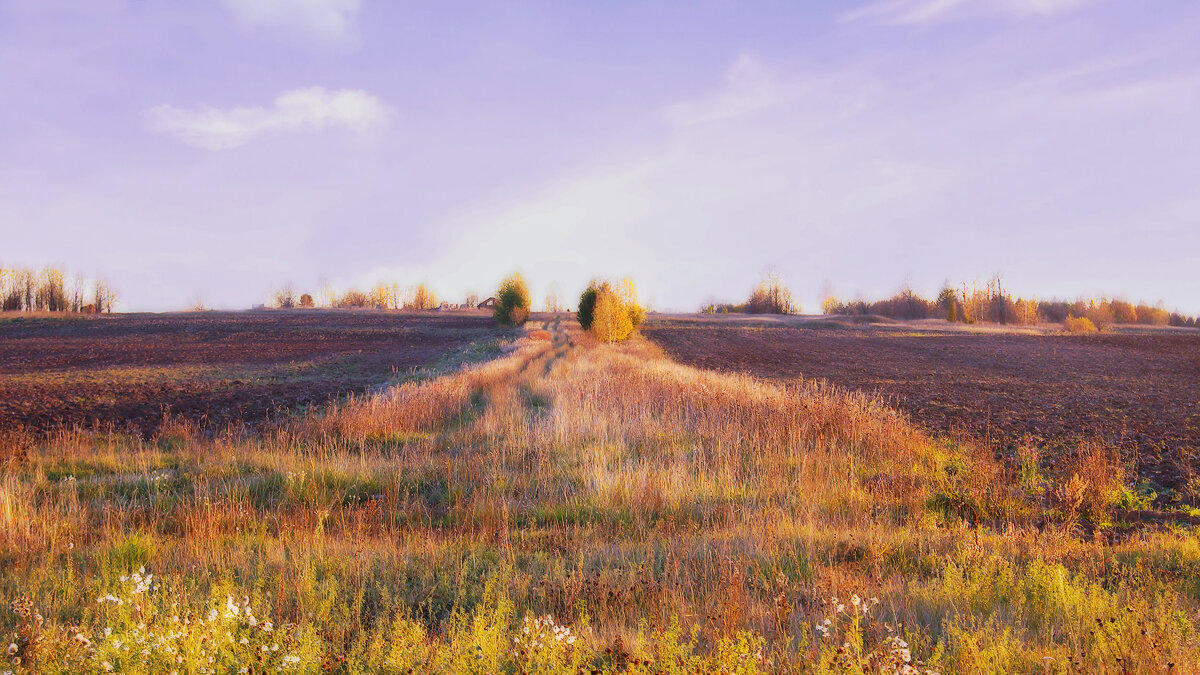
(512,301)
(587,305)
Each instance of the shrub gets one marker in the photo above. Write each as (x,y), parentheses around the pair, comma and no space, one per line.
(306,301)
(1079,325)
(284,298)
(512,301)
(609,311)
(1089,483)
(353,299)
(587,305)
(612,320)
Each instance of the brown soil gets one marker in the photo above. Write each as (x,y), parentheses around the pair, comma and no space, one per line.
(129,370)
(1139,392)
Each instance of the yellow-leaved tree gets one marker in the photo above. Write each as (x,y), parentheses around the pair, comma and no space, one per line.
(611,312)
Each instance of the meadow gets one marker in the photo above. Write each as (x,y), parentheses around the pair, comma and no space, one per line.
(570,506)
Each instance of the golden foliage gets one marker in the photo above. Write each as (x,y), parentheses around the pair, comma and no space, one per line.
(1079,325)
(611,311)
(611,321)
(423,297)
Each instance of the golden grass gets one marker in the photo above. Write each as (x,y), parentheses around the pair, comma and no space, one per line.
(670,519)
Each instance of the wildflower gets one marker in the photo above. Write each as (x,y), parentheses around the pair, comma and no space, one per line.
(12,649)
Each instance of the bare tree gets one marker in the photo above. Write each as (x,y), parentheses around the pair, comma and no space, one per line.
(285,297)
(772,297)
(104,297)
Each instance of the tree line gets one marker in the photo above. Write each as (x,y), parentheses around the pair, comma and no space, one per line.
(970,302)
(380,296)
(990,302)
(50,289)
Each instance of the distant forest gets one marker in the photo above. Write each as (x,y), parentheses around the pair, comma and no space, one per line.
(52,290)
(966,303)
(990,303)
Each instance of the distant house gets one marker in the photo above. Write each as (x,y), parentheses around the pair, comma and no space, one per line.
(258,306)
(490,303)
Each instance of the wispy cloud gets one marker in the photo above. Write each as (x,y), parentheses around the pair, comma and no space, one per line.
(322,19)
(928,11)
(749,86)
(297,111)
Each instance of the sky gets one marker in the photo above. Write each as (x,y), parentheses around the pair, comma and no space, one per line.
(212,150)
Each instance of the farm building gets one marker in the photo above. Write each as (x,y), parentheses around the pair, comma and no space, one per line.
(490,303)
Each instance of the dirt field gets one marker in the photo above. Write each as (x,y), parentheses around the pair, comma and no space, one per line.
(129,369)
(1139,392)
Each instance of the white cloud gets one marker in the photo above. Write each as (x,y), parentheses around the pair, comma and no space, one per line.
(749,87)
(297,111)
(928,11)
(322,19)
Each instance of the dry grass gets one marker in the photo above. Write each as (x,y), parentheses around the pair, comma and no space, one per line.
(669,519)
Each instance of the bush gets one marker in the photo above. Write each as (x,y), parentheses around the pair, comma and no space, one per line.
(353,299)
(612,322)
(512,301)
(587,305)
(1089,483)
(1079,325)
(610,312)
(284,298)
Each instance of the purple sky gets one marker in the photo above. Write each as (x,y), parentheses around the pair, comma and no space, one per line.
(210,150)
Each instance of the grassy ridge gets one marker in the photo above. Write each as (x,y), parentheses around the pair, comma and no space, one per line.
(573,506)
